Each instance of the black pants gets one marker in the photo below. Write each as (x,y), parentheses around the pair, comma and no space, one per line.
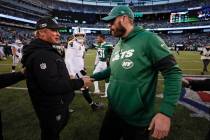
(52,121)
(205,65)
(114,128)
(208,135)
(1,134)
(86,95)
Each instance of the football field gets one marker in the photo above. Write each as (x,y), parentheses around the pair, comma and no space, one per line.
(20,122)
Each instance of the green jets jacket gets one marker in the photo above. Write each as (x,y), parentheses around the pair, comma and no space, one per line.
(134,66)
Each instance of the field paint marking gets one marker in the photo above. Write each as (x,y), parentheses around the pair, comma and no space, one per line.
(76,91)
(5,64)
(185,61)
(23,88)
(159,79)
(90,54)
(91,66)
(191,69)
(18,88)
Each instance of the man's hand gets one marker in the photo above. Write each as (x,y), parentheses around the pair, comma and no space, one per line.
(87,81)
(160,126)
(185,83)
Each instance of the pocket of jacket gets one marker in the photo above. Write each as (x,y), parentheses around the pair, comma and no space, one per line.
(125,97)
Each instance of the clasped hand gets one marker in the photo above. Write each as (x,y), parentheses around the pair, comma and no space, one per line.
(87,81)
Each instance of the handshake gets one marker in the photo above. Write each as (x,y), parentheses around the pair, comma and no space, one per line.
(87,81)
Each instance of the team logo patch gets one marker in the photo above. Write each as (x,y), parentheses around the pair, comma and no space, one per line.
(43,25)
(55,21)
(43,66)
(58,117)
(127,64)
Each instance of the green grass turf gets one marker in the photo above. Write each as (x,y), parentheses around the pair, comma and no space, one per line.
(20,122)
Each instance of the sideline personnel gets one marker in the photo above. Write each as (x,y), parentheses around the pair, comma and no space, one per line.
(50,88)
(134,65)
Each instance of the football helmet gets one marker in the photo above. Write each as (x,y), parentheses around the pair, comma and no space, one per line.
(18,43)
(79,34)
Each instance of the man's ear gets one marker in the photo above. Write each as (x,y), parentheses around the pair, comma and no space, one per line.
(41,32)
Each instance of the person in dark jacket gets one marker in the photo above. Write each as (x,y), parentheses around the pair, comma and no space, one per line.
(8,79)
(49,85)
(198,85)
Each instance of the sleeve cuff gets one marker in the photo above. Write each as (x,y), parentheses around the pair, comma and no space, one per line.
(77,83)
(20,75)
(167,109)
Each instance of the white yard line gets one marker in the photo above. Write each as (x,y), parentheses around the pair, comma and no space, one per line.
(91,66)
(159,79)
(193,69)
(91,54)
(192,61)
(5,64)
(17,88)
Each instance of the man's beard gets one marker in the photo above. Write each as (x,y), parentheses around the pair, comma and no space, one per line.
(119,31)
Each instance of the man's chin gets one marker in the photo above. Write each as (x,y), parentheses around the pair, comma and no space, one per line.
(116,35)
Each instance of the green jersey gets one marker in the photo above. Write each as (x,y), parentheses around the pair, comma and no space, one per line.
(104,51)
(134,66)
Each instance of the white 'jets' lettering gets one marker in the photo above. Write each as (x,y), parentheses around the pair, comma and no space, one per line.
(129,53)
(124,54)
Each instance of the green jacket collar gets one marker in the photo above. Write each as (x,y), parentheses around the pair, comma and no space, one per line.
(135,31)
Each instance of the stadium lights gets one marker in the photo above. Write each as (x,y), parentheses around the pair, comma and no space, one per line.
(17,18)
(156,29)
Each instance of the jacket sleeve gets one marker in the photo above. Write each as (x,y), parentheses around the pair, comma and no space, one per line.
(172,84)
(52,76)
(8,79)
(163,61)
(102,75)
(172,89)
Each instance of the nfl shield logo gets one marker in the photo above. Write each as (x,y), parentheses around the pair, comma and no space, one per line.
(58,117)
(43,66)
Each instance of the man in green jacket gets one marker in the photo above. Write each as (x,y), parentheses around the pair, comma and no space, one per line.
(134,65)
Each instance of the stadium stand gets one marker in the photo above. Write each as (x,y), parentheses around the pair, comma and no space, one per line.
(77,14)
(97,8)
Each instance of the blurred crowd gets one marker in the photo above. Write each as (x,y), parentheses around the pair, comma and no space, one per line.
(186,41)
(145,24)
(140,8)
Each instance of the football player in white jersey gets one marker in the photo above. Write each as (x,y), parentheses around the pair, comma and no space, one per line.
(74,59)
(16,53)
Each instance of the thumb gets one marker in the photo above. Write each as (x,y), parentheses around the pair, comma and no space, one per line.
(152,123)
